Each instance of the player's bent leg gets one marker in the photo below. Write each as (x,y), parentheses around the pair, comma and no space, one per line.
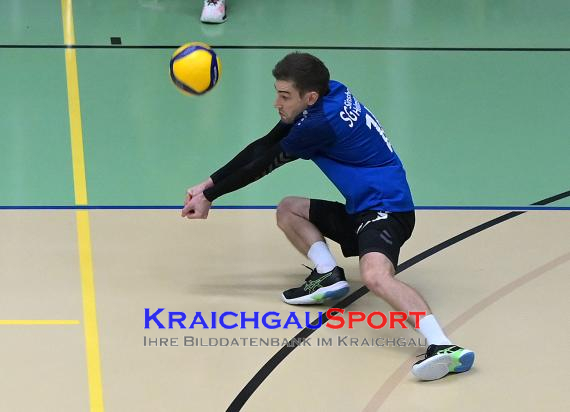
(294,204)
(326,281)
(377,272)
(293,219)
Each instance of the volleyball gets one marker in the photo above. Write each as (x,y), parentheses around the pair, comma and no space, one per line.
(195,68)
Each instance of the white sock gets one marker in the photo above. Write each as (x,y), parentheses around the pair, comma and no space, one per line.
(432,331)
(321,257)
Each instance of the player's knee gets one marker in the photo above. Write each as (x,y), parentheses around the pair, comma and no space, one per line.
(289,208)
(378,281)
(284,212)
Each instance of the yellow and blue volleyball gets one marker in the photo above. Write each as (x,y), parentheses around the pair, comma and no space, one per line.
(195,68)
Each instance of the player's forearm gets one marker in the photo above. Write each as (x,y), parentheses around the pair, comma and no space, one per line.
(253,151)
(249,173)
(241,159)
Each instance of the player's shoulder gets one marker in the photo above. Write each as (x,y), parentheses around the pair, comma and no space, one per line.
(311,121)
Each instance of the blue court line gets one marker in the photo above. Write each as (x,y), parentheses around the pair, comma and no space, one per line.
(178,207)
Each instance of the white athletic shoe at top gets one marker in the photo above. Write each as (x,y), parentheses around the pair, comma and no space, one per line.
(214,11)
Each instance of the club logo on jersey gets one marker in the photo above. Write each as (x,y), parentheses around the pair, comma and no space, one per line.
(351,109)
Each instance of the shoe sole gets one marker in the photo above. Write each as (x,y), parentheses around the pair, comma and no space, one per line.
(438,366)
(321,295)
(214,21)
(210,20)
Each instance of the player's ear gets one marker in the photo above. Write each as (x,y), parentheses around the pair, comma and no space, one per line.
(313,97)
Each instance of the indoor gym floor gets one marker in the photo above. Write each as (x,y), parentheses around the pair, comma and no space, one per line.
(97,149)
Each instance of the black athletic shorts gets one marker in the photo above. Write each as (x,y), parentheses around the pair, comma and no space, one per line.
(370,231)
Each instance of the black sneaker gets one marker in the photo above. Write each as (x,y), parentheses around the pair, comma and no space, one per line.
(318,288)
(441,360)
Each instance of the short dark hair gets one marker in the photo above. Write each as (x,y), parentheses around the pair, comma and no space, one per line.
(307,72)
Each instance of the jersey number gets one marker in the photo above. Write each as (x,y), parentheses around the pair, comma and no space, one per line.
(371,121)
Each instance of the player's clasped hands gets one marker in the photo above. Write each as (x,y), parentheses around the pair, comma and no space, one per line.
(196,206)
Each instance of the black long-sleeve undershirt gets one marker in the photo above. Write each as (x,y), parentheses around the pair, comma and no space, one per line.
(255,161)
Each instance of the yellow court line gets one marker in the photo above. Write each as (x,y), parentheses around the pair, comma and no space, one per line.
(75,126)
(89,311)
(82,216)
(37,322)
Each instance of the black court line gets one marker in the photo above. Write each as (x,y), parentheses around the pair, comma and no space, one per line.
(266,207)
(276,359)
(292,47)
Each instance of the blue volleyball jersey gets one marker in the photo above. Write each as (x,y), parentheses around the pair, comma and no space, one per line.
(349,145)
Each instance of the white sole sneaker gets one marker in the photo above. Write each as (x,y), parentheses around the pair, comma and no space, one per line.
(437,366)
(215,13)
